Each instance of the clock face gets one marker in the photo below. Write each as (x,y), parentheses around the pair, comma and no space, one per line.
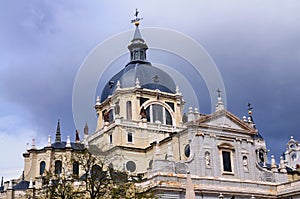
(294,156)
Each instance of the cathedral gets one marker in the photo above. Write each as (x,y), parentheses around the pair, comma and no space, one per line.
(142,129)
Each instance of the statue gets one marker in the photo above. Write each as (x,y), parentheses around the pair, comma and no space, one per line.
(184,118)
(106,116)
(245,164)
(117,108)
(207,158)
(143,113)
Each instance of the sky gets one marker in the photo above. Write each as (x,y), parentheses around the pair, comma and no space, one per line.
(255,45)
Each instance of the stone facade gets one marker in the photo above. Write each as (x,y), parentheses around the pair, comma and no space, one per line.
(142,129)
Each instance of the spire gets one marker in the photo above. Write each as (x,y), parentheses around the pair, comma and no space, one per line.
(58,135)
(86,129)
(189,192)
(137,45)
(220,104)
(2,183)
(77,139)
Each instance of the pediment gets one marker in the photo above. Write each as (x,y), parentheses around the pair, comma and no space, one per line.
(225,119)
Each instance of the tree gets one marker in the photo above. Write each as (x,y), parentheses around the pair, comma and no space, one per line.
(95,181)
(58,187)
(95,175)
(102,181)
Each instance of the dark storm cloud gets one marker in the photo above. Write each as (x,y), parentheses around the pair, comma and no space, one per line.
(255,45)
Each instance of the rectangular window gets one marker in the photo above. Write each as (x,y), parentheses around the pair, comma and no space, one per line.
(129,137)
(226,155)
(110,139)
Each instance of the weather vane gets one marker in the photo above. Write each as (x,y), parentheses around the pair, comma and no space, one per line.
(136,19)
(249,108)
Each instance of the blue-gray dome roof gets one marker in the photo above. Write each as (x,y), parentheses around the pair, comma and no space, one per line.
(150,77)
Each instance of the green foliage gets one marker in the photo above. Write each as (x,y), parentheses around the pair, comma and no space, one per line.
(97,182)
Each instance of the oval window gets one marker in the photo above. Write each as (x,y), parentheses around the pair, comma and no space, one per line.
(187,150)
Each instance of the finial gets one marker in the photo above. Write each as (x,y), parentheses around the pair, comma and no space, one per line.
(219,92)
(244,118)
(49,141)
(77,139)
(177,90)
(136,20)
(249,119)
(137,83)
(33,144)
(273,163)
(68,142)
(97,101)
(30,184)
(118,85)
(58,135)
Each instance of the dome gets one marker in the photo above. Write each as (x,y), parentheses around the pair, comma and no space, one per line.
(150,77)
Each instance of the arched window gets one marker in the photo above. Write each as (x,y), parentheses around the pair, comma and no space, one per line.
(57,167)
(158,113)
(128,110)
(76,168)
(42,167)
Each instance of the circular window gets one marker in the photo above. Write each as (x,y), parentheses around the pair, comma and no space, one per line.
(130,166)
(187,150)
